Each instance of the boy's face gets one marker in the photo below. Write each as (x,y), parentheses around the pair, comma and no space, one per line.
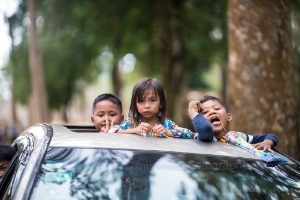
(106,110)
(217,116)
(3,165)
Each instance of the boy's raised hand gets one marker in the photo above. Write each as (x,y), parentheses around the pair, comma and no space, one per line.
(194,108)
(107,126)
(265,145)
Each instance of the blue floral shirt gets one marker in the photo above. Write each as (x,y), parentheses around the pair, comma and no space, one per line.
(177,131)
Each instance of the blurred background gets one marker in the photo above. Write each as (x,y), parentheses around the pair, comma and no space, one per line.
(58,56)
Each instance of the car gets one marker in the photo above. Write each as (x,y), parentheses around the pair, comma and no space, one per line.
(76,162)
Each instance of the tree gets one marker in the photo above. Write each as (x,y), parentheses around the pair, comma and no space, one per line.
(262,88)
(172,41)
(38,97)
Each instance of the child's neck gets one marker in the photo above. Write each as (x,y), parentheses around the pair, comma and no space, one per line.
(220,135)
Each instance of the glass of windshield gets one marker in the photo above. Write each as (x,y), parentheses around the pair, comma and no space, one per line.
(125,174)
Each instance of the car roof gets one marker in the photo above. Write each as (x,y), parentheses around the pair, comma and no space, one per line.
(88,137)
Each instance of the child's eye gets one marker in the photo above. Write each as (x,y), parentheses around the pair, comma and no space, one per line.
(204,112)
(153,100)
(100,115)
(113,114)
(140,100)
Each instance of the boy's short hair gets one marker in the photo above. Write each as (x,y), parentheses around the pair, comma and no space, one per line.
(208,97)
(108,96)
(7,152)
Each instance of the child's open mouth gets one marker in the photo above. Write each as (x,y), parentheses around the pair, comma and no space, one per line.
(215,121)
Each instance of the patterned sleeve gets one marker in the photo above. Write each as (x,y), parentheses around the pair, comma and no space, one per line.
(177,131)
(125,125)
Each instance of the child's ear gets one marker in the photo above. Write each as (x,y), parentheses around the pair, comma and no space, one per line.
(122,118)
(229,117)
(92,119)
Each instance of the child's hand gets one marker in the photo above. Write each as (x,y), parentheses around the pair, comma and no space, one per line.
(194,108)
(160,130)
(143,128)
(265,145)
(107,126)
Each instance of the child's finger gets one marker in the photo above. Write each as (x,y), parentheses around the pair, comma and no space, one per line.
(112,123)
(156,127)
(269,149)
(199,106)
(106,125)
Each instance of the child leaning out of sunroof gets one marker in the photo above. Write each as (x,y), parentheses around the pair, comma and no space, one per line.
(107,112)
(148,113)
(210,120)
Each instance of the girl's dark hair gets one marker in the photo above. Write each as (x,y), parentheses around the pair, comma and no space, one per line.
(139,91)
(107,96)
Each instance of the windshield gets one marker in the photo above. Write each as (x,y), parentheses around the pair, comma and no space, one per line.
(123,174)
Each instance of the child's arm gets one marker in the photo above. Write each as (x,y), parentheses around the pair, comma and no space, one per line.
(125,127)
(203,128)
(201,125)
(177,131)
(262,141)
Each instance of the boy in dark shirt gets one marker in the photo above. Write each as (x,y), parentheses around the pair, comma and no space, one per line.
(6,155)
(210,120)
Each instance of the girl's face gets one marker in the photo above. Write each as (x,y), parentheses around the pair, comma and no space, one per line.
(106,110)
(216,115)
(148,107)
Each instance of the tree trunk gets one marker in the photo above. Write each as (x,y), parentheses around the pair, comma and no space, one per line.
(115,74)
(116,80)
(38,97)
(263,93)
(173,50)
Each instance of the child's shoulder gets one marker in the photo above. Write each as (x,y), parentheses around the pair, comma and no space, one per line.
(169,121)
(126,124)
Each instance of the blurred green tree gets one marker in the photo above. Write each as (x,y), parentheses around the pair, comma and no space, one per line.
(173,41)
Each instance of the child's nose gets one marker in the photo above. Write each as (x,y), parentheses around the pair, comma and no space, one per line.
(147,105)
(212,112)
(106,117)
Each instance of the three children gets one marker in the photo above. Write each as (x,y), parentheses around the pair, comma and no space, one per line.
(148,117)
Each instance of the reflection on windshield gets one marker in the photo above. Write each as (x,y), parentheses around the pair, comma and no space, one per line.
(121,174)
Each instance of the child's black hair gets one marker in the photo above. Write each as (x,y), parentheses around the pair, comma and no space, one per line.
(7,152)
(107,96)
(208,97)
(139,91)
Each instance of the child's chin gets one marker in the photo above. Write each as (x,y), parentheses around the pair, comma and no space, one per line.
(217,130)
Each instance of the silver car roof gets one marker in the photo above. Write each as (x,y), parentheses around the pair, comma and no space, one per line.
(64,137)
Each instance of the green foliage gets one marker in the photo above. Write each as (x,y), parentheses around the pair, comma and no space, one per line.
(205,38)
(67,57)
(19,71)
(74,33)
